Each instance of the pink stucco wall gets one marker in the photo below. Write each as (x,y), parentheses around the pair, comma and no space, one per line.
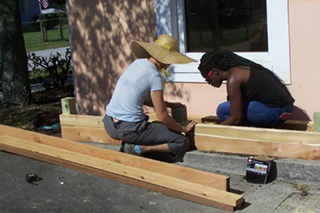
(101,32)
(304,31)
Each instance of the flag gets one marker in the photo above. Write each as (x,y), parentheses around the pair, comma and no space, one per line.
(44,3)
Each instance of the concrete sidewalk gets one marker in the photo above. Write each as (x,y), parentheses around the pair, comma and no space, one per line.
(297,190)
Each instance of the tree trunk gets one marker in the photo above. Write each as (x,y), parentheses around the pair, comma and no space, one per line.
(14,62)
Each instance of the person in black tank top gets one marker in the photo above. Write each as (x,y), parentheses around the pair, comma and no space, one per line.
(256,96)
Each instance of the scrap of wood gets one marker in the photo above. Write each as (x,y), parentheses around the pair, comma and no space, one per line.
(182,188)
(184,173)
(316,119)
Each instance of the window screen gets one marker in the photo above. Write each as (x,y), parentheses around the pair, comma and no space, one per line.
(236,25)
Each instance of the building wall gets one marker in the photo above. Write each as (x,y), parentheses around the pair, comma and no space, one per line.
(101,32)
(304,32)
(305,54)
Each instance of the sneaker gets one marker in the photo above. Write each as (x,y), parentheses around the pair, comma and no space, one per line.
(121,148)
(129,149)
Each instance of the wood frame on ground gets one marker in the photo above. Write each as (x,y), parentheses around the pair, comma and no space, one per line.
(231,139)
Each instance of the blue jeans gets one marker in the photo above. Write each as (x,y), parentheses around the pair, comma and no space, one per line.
(256,113)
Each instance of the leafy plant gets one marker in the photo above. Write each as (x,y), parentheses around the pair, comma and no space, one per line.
(55,66)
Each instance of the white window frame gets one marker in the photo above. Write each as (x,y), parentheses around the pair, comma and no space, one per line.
(171,20)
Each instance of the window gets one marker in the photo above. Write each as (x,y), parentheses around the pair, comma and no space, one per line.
(255,29)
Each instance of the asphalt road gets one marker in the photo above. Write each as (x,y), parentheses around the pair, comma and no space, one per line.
(82,192)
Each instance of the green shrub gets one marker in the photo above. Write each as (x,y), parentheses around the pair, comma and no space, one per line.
(52,72)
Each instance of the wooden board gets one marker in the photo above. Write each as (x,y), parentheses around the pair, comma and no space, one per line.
(68,105)
(228,139)
(92,134)
(182,188)
(251,133)
(288,124)
(81,120)
(184,173)
(316,119)
(228,145)
(254,147)
(261,134)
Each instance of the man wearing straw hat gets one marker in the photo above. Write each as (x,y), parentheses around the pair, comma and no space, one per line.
(142,84)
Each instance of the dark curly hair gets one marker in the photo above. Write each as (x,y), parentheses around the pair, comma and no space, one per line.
(223,60)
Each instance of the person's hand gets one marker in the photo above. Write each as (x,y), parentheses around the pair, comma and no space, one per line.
(175,105)
(189,126)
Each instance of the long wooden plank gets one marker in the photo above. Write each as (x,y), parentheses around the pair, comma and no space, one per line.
(81,120)
(253,147)
(89,134)
(210,196)
(99,135)
(261,134)
(184,173)
(288,124)
(228,144)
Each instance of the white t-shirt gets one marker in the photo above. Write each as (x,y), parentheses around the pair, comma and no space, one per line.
(132,89)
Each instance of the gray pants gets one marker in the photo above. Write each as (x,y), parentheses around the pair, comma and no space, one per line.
(146,133)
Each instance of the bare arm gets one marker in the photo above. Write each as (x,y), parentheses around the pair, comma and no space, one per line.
(234,84)
(164,117)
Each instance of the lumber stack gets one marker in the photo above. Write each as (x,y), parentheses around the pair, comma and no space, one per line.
(186,183)
(231,139)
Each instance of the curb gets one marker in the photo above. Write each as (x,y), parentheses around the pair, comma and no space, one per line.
(288,169)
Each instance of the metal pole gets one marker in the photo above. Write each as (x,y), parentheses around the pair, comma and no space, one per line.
(41,22)
(61,30)
(40,7)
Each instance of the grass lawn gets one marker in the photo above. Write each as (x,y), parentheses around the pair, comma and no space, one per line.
(33,40)
(46,106)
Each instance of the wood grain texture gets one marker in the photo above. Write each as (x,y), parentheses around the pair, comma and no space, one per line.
(206,195)
(192,175)
(254,147)
(89,134)
(223,144)
(288,124)
(231,139)
(261,134)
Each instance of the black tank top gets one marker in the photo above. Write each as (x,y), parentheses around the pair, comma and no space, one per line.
(265,87)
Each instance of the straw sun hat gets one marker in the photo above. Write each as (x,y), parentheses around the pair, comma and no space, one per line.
(164,50)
